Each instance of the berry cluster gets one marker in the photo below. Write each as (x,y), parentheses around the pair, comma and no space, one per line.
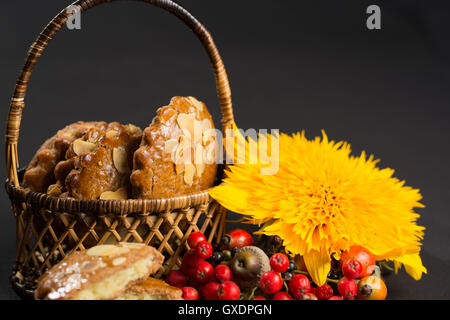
(238,270)
(204,273)
(354,279)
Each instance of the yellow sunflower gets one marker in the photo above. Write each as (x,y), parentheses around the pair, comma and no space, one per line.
(322,200)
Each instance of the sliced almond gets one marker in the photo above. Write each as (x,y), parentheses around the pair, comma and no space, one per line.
(89,266)
(195,103)
(189,171)
(112,134)
(206,124)
(179,168)
(81,147)
(120,160)
(170,145)
(134,129)
(183,155)
(106,250)
(198,131)
(54,190)
(210,153)
(119,194)
(209,135)
(200,168)
(198,154)
(119,261)
(133,245)
(186,123)
(184,141)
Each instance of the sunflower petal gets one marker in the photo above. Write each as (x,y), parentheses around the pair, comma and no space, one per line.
(225,196)
(413,265)
(318,264)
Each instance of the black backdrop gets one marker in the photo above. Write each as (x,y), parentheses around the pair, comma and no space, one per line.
(293,65)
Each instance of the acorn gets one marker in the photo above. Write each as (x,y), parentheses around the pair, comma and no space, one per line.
(248,265)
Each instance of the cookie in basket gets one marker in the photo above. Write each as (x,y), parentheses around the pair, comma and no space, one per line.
(98,165)
(40,171)
(101,272)
(152,289)
(177,153)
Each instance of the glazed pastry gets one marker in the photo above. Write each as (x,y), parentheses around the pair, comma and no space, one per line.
(98,165)
(101,272)
(40,171)
(152,289)
(178,151)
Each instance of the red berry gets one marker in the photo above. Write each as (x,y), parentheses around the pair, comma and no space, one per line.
(324,292)
(203,272)
(195,238)
(210,290)
(282,296)
(364,256)
(299,285)
(347,288)
(223,272)
(190,263)
(258,298)
(229,290)
(193,282)
(352,269)
(176,278)
(204,249)
(308,296)
(237,238)
(279,262)
(270,282)
(335,298)
(190,293)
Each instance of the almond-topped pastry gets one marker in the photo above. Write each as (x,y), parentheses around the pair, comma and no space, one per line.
(98,165)
(178,152)
(152,289)
(39,173)
(101,272)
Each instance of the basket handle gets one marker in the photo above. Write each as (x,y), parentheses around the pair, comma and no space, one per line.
(36,49)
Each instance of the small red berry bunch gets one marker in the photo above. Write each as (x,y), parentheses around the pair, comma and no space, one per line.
(198,278)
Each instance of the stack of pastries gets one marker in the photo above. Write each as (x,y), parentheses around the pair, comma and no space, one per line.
(105,272)
(175,155)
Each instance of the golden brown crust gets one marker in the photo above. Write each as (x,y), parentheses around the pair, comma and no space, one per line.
(153,289)
(177,152)
(98,164)
(39,173)
(84,270)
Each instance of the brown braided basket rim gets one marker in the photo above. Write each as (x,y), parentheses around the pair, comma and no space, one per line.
(40,200)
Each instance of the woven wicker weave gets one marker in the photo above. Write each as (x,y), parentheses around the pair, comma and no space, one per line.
(49,228)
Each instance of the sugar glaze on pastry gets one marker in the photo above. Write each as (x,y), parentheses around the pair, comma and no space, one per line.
(177,153)
(101,272)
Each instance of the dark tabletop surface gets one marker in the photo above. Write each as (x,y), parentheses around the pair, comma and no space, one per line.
(293,65)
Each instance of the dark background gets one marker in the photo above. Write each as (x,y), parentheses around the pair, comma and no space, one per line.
(292,65)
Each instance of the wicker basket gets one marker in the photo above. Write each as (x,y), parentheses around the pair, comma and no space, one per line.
(49,228)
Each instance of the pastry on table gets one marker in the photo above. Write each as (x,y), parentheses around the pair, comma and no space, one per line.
(101,272)
(152,289)
(178,152)
(40,171)
(98,165)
